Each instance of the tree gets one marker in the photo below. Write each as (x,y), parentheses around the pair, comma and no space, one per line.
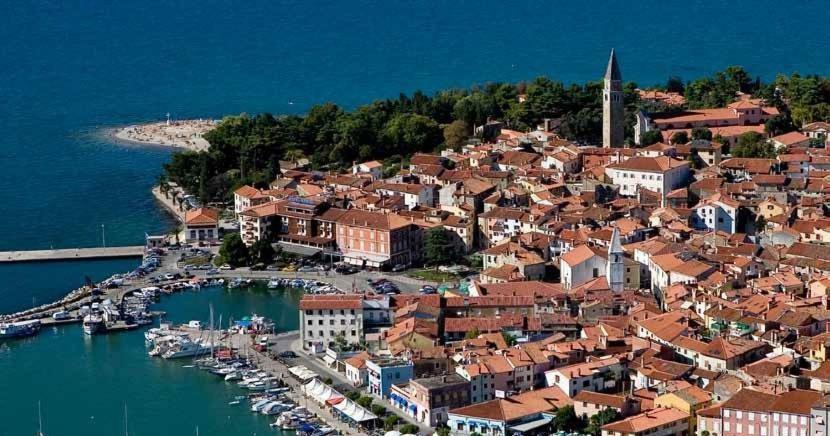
(456,133)
(378,409)
(261,251)
(233,251)
(437,247)
(600,419)
(675,84)
(390,422)
(753,144)
(680,138)
(443,431)
(651,137)
(409,133)
(328,381)
(509,339)
(566,419)
(472,334)
(353,395)
(760,224)
(365,401)
(409,429)
(701,133)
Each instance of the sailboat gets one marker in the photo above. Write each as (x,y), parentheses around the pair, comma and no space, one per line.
(39,421)
(126,427)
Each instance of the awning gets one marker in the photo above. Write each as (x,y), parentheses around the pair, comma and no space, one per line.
(302,373)
(328,359)
(334,400)
(320,391)
(531,425)
(354,411)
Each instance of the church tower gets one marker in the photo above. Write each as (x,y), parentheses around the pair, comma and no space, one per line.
(614,266)
(613,114)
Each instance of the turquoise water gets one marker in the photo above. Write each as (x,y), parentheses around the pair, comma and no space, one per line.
(83,382)
(71,69)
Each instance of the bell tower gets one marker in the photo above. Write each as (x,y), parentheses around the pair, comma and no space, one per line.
(613,112)
(614,268)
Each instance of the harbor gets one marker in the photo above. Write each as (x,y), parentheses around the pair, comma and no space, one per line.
(121,305)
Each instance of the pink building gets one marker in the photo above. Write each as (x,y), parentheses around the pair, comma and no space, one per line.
(756,413)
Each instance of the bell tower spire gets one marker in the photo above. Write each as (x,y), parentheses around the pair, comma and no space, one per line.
(613,112)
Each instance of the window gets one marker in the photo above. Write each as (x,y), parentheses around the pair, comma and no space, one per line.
(739,428)
(739,415)
(726,413)
(726,426)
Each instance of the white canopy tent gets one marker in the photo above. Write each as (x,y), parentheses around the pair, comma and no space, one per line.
(354,411)
(320,391)
(302,373)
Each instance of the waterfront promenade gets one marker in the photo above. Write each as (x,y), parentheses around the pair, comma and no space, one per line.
(71,254)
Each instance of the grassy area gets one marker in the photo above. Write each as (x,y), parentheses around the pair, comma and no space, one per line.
(196,261)
(433,275)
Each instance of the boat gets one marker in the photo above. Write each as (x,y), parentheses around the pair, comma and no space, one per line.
(233,376)
(19,329)
(233,403)
(60,315)
(274,283)
(93,323)
(257,406)
(236,283)
(184,348)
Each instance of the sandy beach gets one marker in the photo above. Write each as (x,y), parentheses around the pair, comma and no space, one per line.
(183,134)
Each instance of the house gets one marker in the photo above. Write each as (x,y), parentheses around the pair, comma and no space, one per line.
(201,226)
(414,195)
(429,400)
(655,422)
(524,413)
(661,174)
(596,375)
(818,130)
(383,373)
(588,404)
(246,197)
(580,265)
(791,139)
(324,318)
(356,369)
(719,212)
(372,168)
(688,400)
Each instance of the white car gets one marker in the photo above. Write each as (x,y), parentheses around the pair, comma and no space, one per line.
(226,267)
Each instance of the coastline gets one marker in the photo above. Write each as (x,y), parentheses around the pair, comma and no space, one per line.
(184,134)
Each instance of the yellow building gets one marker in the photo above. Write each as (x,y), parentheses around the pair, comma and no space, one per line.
(688,400)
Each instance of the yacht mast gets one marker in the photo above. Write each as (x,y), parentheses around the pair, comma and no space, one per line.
(39,420)
(126,427)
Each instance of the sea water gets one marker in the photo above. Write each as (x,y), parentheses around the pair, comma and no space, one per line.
(73,69)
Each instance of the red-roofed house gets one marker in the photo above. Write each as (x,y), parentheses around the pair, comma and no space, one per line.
(201,225)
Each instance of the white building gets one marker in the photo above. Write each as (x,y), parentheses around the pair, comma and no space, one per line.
(413,195)
(718,212)
(247,197)
(658,174)
(324,318)
(595,376)
(372,168)
(580,265)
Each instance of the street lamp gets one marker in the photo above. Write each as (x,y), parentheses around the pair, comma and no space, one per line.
(103,236)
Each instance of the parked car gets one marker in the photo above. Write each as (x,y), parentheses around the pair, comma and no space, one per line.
(290,268)
(427,289)
(307,269)
(288,355)
(226,267)
(169,276)
(398,268)
(213,271)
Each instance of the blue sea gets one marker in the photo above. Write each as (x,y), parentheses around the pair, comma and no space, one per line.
(72,69)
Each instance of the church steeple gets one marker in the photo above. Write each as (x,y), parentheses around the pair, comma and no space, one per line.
(613,70)
(613,112)
(614,266)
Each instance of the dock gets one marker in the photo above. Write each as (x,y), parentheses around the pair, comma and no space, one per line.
(71,254)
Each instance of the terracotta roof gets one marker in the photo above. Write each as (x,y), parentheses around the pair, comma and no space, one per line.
(372,220)
(615,401)
(517,406)
(315,302)
(202,216)
(658,164)
(645,421)
(578,255)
